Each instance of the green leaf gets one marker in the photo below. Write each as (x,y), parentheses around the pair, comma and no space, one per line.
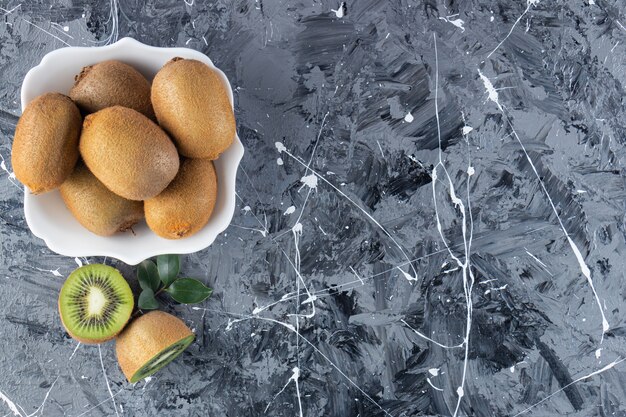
(148,276)
(189,291)
(168,265)
(147,300)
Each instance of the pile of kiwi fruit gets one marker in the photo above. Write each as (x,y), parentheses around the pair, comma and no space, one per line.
(95,305)
(121,149)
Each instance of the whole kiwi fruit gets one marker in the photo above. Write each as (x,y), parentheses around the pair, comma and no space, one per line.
(149,343)
(111,83)
(185,206)
(45,146)
(98,209)
(192,105)
(95,303)
(128,152)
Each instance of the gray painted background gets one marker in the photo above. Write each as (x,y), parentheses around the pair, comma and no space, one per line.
(522,222)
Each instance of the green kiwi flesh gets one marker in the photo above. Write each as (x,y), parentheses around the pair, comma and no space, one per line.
(95,303)
(162,358)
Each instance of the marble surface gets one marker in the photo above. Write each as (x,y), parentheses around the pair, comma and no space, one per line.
(430,214)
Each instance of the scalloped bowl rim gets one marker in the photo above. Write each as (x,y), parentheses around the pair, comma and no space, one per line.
(49,219)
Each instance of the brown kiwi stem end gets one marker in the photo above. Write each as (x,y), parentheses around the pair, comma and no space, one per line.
(83,72)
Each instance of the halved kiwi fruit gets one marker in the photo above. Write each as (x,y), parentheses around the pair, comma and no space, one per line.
(95,303)
(149,343)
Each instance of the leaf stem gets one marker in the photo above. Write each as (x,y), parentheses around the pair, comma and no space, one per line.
(138,311)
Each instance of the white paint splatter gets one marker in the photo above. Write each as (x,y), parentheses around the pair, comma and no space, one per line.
(429,339)
(357,275)
(279,161)
(471,171)
(295,376)
(467,129)
(10,174)
(262,232)
(106,379)
(512,369)
(340,12)
(310,181)
(146,382)
(78,262)
(587,273)
(54,272)
(280,147)
(381,149)
(408,118)
(5,169)
(66,28)
(431,384)
(290,210)
(309,300)
(246,209)
(496,289)
(10,404)
(74,352)
(451,270)
(434,371)
(456,22)
(491,91)
(598,353)
(544,266)
(406,274)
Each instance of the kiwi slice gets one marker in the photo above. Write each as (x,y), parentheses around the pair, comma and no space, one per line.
(162,358)
(149,343)
(95,303)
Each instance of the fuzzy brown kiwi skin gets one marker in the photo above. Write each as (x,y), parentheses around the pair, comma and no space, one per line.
(186,205)
(145,337)
(112,83)
(192,105)
(45,146)
(96,207)
(128,153)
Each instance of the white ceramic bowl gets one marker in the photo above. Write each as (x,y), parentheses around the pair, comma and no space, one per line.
(46,214)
